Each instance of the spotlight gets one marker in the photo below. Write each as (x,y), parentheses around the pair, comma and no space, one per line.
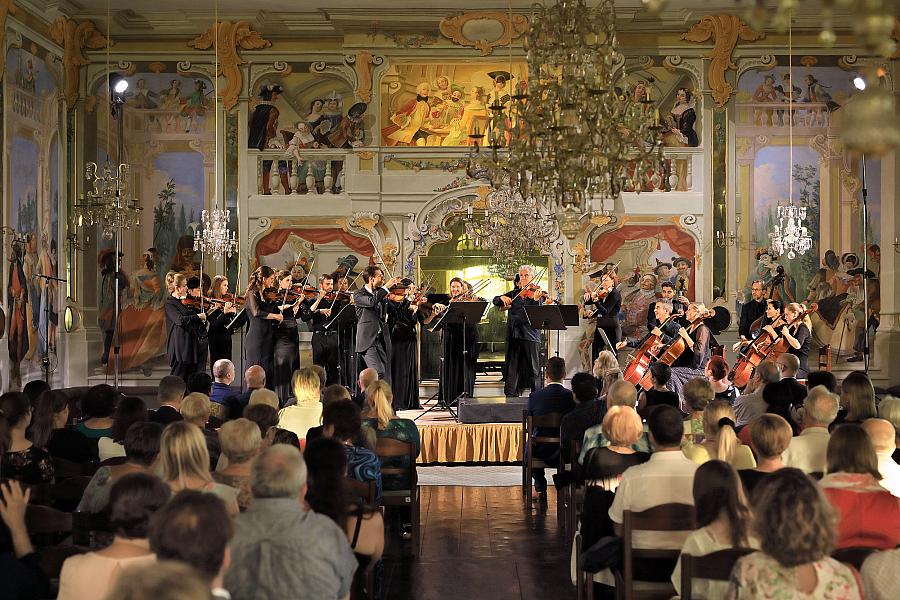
(859,82)
(117,83)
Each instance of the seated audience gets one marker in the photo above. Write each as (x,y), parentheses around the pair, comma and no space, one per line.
(857,400)
(167,580)
(280,549)
(264,396)
(883,437)
(343,422)
(254,379)
(21,459)
(241,442)
(264,416)
(200,383)
(750,404)
(770,435)
(20,566)
(129,411)
(621,393)
(717,375)
(307,412)
(552,398)
(796,539)
(660,373)
(196,409)
(323,376)
(807,451)
(184,463)
(97,407)
(386,424)
(722,515)
(588,412)
(194,529)
(282,436)
(333,393)
(696,393)
(169,395)
(879,575)
(366,378)
(606,370)
(48,430)
(778,397)
(720,442)
(889,410)
(132,501)
(869,514)
(141,452)
(789,365)
(825,378)
(34,389)
(221,391)
(604,465)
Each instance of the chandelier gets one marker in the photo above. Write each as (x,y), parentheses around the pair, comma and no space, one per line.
(791,236)
(108,203)
(215,239)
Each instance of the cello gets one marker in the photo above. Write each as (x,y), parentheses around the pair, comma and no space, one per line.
(643,358)
(765,346)
(675,349)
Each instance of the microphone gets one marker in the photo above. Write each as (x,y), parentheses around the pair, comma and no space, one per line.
(48,277)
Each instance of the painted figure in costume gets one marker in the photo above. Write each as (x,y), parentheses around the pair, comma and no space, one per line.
(765,93)
(142,97)
(408,122)
(499,95)
(332,110)
(194,105)
(183,260)
(170,98)
(143,322)
(302,139)
(315,116)
(474,117)
(664,272)
(684,115)
(17,290)
(454,107)
(263,134)
(682,277)
(47,315)
(635,307)
(787,92)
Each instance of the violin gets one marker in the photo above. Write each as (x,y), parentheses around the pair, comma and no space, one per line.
(337,295)
(277,294)
(306,291)
(534,292)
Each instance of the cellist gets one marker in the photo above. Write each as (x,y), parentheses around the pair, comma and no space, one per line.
(665,330)
(770,318)
(692,361)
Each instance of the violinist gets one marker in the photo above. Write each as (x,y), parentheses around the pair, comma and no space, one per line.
(797,335)
(522,369)
(373,338)
(261,313)
(458,367)
(344,286)
(692,361)
(182,323)
(220,314)
(317,314)
(606,302)
(194,297)
(404,314)
(286,339)
(666,293)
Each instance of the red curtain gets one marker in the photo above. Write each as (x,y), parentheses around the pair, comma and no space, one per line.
(273,242)
(679,241)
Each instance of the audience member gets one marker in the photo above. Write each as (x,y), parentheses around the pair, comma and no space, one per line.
(366,378)
(778,397)
(605,365)
(307,412)
(604,465)
(254,379)
(20,566)
(789,365)
(857,399)
(48,430)
(196,410)
(132,501)
(720,442)
(889,410)
(879,575)
(34,389)
(167,580)
(343,422)
(264,396)
(323,376)
(796,538)
(869,514)
(697,393)
(97,407)
(660,373)
(241,442)
(770,436)
(825,378)
(552,398)
(199,382)
(129,411)
(222,392)
(21,459)
(750,404)
(194,529)
(722,518)
(621,393)
(717,375)
(184,463)
(388,425)
(334,393)
(588,412)
(169,394)
(883,437)
(807,451)
(141,452)
(283,436)
(280,550)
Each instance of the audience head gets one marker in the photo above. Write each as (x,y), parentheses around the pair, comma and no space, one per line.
(16,409)
(240,440)
(821,407)
(196,408)
(183,454)
(255,377)
(51,411)
(99,402)
(660,373)
(609,378)
(379,402)
(34,388)
(171,391)
(263,415)
(621,393)
(133,499)
(851,451)
(193,528)
(333,393)
(584,387)
(797,532)
(718,427)
(556,369)
(770,435)
(716,369)
(777,395)
(129,411)
(285,436)
(223,371)
(789,364)
(666,427)
(889,410)
(825,378)
(264,396)
(167,580)
(697,392)
(605,361)
(323,376)
(718,490)
(279,472)
(765,373)
(326,461)
(142,443)
(367,377)
(882,435)
(622,426)
(200,382)
(305,385)
(858,397)
(342,420)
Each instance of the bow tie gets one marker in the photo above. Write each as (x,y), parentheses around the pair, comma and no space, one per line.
(421,98)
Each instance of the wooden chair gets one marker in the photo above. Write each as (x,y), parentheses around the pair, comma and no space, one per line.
(715,565)
(529,463)
(361,490)
(64,469)
(855,557)
(90,529)
(389,448)
(665,517)
(825,358)
(574,491)
(66,494)
(51,561)
(47,525)
(115,460)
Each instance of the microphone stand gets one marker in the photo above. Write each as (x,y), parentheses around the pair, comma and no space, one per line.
(865,265)
(45,357)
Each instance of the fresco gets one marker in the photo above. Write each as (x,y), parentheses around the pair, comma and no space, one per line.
(675,93)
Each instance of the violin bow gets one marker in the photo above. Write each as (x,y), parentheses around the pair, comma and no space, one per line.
(336,292)
(537,277)
(378,255)
(482,283)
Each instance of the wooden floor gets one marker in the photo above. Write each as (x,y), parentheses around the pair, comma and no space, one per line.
(480,543)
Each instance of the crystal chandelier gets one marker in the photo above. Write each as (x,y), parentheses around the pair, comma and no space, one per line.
(215,239)
(791,236)
(108,202)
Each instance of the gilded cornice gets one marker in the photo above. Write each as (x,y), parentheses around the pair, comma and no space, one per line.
(74,37)
(511,27)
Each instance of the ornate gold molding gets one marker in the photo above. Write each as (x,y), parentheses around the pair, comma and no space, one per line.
(364,63)
(231,37)
(74,37)
(726,31)
(510,29)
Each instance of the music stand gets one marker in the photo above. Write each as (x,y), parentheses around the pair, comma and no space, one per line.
(458,313)
(570,317)
(343,319)
(547,317)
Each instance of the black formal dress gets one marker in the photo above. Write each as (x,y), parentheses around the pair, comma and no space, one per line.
(522,367)
(219,334)
(404,354)
(373,338)
(285,354)
(607,314)
(325,346)
(184,344)
(348,365)
(801,333)
(457,368)
(260,340)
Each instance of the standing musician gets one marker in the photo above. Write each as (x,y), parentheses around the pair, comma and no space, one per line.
(406,309)
(692,361)
(797,336)
(458,367)
(260,313)
(317,314)
(194,296)
(662,313)
(182,323)
(767,322)
(348,368)
(751,310)
(667,294)
(522,368)
(286,338)
(219,316)
(607,302)
(373,338)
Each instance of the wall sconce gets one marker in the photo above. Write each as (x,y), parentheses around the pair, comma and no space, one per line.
(896,243)
(724,239)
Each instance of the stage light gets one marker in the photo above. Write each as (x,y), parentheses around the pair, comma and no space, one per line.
(117,83)
(859,82)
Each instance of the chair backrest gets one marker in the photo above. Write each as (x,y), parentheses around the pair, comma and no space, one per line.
(63,468)
(854,557)
(391,448)
(531,423)
(86,524)
(115,460)
(361,490)
(825,358)
(66,494)
(715,565)
(47,525)
(664,517)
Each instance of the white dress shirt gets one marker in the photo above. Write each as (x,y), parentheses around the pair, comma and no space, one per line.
(890,473)
(807,450)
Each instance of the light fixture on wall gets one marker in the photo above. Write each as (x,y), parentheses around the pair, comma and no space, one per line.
(897,243)
(724,238)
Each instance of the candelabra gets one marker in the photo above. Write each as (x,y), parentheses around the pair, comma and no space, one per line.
(791,236)
(724,239)
(108,202)
(215,239)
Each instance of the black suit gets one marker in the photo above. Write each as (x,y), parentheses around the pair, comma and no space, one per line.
(553,398)
(373,339)
(325,346)
(185,344)
(522,365)
(677,308)
(797,390)
(165,414)
(750,312)
(607,314)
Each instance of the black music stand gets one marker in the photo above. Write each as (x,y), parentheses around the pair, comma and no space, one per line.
(458,313)
(547,317)
(571,317)
(344,319)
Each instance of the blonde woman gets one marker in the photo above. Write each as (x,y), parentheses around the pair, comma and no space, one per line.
(240,440)
(798,335)
(770,436)
(692,361)
(857,400)
(604,465)
(720,440)
(184,463)
(184,325)
(307,412)
(606,371)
